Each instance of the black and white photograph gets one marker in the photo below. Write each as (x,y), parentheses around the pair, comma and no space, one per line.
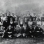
(21,21)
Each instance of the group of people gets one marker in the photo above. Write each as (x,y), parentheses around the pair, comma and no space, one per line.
(17,28)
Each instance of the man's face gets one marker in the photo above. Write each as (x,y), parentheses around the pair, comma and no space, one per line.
(11,19)
(25,19)
(29,19)
(9,27)
(15,18)
(6,19)
(30,27)
(21,21)
(29,23)
(33,19)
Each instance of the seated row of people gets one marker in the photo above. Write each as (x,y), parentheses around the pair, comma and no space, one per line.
(13,29)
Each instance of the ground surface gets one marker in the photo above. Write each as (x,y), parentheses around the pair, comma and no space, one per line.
(21,41)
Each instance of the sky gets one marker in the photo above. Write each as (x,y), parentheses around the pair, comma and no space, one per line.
(20,7)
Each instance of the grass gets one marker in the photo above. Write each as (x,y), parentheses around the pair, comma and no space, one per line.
(22,41)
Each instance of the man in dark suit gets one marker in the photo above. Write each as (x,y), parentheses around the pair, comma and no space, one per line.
(9,32)
(29,31)
(38,31)
(5,24)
